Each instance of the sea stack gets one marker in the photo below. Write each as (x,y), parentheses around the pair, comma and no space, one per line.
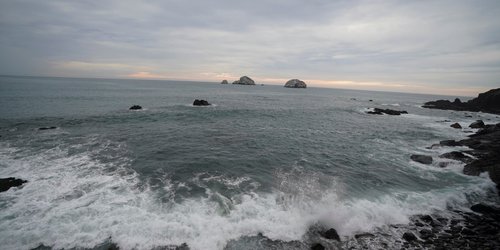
(224,82)
(245,80)
(295,83)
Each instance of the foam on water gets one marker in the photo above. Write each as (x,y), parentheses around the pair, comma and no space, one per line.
(77,201)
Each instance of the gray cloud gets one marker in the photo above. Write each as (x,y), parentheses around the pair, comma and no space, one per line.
(426,44)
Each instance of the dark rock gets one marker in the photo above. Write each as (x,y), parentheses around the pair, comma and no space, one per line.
(424,159)
(449,143)
(364,235)
(426,218)
(331,234)
(477,124)
(485,209)
(244,80)
(488,102)
(426,234)
(377,111)
(370,100)
(455,125)
(224,82)
(456,155)
(135,107)
(317,246)
(46,128)
(295,83)
(7,183)
(409,236)
(200,103)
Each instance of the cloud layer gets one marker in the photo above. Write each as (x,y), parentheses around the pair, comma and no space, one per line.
(443,47)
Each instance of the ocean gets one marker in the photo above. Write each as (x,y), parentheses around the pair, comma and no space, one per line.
(262,160)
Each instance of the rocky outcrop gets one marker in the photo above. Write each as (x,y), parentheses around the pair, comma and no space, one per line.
(377,111)
(331,234)
(457,156)
(200,103)
(488,102)
(135,107)
(477,124)
(456,125)
(7,183)
(295,83)
(424,159)
(224,82)
(245,80)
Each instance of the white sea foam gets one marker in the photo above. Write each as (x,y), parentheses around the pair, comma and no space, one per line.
(75,201)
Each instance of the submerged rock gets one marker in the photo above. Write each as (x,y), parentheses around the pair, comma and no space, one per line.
(424,159)
(245,80)
(377,111)
(449,143)
(477,124)
(295,83)
(7,183)
(47,128)
(456,125)
(200,103)
(456,155)
(224,82)
(135,107)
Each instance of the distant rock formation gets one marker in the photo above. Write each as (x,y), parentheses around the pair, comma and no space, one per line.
(244,80)
(488,102)
(377,111)
(7,183)
(135,107)
(224,82)
(200,103)
(47,128)
(295,83)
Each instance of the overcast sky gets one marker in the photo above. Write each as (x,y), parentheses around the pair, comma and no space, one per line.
(441,47)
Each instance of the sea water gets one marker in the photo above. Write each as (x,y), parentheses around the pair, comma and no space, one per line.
(260,159)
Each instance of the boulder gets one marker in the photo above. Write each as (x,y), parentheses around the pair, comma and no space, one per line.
(245,80)
(485,209)
(456,125)
(295,83)
(477,124)
(377,111)
(317,246)
(224,82)
(200,103)
(135,107)
(331,234)
(409,236)
(424,159)
(7,183)
(488,102)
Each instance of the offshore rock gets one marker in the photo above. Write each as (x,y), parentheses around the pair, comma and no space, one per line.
(7,183)
(424,159)
(224,82)
(245,80)
(295,83)
(200,103)
(456,125)
(135,107)
(331,234)
(488,102)
(456,155)
(477,124)
(377,111)
(47,128)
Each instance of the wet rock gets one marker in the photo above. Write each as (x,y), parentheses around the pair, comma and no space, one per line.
(409,236)
(364,235)
(378,111)
(46,128)
(485,209)
(449,143)
(135,107)
(331,234)
(200,103)
(224,82)
(295,83)
(7,183)
(456,155)
(426,234)
(424,159)
(317,246)
(477,124)
(456,125)
(486,102)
